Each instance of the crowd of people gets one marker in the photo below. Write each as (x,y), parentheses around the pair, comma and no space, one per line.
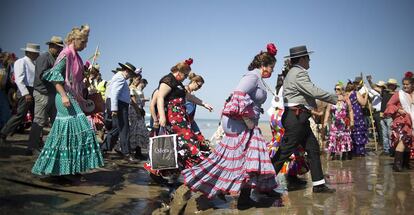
(90,117)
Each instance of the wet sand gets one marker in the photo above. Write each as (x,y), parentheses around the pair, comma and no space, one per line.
(365,185)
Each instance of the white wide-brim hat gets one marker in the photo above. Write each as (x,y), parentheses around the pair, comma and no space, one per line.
(31,47)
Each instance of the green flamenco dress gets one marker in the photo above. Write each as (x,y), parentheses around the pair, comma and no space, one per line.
(71,146)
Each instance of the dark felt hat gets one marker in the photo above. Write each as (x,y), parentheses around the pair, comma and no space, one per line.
(298,51)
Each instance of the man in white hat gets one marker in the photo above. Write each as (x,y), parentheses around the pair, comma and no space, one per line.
(24,72)
(299,96)
(44,94)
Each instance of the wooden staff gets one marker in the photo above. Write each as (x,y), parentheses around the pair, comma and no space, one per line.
(372,124)
(95,55)
(370,116)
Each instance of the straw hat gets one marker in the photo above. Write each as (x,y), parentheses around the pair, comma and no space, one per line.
(392,81)
(31,47)
(380,84)
(55,40)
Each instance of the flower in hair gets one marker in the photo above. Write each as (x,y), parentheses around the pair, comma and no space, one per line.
(87,64)
(408,74)
(271,49)
(189,61)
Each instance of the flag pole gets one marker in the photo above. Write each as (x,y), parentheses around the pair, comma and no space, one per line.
(95,55)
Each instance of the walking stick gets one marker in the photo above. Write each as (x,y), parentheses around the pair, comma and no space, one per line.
(372,124)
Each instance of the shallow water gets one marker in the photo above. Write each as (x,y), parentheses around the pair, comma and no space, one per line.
(365,185)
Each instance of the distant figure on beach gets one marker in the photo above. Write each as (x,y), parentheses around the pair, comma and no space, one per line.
(240,161)
(299,98)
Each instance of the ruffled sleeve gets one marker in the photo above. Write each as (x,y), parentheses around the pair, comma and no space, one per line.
(239,105)
(56,73)
(398,120)
(392,106)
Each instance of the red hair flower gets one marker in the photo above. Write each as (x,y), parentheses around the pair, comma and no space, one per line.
(271,49)
(408,74)
(87,64)
(189,61)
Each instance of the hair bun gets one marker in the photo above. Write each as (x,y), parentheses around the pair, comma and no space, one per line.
(271,49)
(189,61)
(408,74)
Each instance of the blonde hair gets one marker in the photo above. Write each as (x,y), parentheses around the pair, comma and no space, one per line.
(76,33)
(195,78)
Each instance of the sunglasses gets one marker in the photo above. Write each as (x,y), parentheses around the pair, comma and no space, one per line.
(185,75)
(199,85)
(338,89)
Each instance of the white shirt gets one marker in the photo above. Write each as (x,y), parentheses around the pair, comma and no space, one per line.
(376,99)
(139,97)
(24,73)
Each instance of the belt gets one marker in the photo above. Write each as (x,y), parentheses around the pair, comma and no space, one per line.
(298,109)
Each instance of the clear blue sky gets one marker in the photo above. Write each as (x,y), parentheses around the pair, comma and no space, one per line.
(349,37)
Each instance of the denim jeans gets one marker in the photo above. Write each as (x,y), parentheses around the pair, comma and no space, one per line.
(120,129)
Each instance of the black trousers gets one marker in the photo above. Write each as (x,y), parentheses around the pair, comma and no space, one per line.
(22,108)
(298,132)
(120,128)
